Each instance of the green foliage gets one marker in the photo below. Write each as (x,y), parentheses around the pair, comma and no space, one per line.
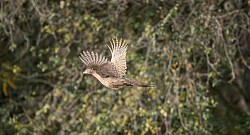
(195,52)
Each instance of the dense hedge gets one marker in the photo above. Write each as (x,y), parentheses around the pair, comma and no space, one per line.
(197,53)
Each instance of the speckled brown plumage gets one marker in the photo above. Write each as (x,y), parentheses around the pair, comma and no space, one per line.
(110,73)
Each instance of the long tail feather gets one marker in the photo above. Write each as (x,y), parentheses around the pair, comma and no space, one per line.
(135,82)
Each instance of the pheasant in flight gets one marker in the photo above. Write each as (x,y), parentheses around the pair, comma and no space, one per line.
(110,73)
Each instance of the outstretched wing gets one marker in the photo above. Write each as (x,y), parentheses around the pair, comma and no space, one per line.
(118,49)
(92,60)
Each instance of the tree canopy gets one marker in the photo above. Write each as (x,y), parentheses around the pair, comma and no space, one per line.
(197,54)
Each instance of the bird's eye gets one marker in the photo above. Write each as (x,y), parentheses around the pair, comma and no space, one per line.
(92,68)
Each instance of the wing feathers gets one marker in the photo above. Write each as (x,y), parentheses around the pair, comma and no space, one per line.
(116,67)
(92,59)
(118,49)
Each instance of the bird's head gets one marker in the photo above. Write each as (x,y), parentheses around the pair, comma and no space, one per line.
(89,71)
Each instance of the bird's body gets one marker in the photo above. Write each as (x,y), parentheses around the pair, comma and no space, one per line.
(110,73)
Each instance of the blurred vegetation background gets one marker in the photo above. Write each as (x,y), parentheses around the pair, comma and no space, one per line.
(196,52)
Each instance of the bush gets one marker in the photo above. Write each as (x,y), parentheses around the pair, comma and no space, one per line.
(195,52)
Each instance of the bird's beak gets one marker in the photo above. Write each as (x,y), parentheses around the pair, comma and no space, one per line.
(85,72)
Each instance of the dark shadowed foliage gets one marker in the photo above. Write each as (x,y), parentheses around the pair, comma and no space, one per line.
(195,52)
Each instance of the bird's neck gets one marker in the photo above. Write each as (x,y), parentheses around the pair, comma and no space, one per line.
(105,81)
(97,76)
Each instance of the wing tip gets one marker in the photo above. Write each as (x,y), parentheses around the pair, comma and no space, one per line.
(91,58)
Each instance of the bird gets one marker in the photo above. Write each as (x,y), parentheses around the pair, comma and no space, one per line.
(110,73)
